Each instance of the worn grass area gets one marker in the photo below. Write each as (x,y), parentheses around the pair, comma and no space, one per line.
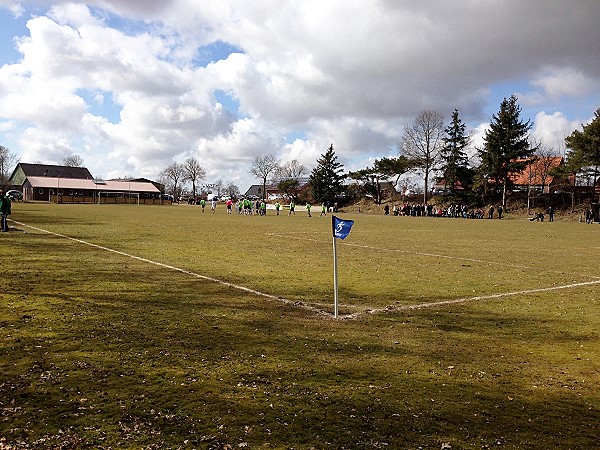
(100,350)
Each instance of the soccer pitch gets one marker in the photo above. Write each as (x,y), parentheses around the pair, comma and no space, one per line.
(386,263)
(128,326)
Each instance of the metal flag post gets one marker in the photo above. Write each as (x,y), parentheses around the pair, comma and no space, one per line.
(335,277)
(340,230)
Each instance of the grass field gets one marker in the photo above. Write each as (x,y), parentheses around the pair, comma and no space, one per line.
(162,327)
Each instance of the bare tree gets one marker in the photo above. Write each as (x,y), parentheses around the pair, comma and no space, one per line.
(73,161)
(291,170)
(288,176)
(7,161)
(193,171)
(219,186)
(262,167)
(545,162)
(232,189)
(532,176)
(422,143)
(173,174)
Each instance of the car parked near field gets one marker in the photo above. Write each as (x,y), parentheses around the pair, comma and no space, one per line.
(14,195)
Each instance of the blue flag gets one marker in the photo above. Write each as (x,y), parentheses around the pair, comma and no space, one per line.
(341,228)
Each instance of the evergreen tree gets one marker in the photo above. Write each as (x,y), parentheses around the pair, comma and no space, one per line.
(453,154)
(506,146)
(584,154)
(383,169)
(326,179)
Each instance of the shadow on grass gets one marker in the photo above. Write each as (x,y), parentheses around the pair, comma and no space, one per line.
(122,355)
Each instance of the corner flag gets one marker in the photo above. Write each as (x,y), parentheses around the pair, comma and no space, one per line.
(341,228)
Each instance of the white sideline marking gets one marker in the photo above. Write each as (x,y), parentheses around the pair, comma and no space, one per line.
(187,272)
(469,299)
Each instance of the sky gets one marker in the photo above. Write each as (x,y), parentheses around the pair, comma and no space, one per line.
(132,86)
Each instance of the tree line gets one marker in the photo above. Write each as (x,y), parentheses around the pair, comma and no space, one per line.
(435,150)
(429,146)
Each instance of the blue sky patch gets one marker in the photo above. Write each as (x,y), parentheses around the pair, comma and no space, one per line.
(100,103)
(293,135)
(228,102)
(214,52)
(10,28)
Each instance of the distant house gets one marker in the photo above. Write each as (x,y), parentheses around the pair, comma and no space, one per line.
(256,190)
(63,184)
(537,174)
(441,186)
(271,189)
(159,186)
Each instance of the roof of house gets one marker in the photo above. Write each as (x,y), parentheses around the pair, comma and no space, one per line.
(537,172)
(441,184)
(46,170)
(78,183)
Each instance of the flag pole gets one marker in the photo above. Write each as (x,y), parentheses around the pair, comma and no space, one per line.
(335,271)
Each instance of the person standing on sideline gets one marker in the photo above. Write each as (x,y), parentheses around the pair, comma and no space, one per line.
(4,210)
(491,212)
(323,210)
(500,211)
(308,209)
(292,208)
(551,213)
(277,206)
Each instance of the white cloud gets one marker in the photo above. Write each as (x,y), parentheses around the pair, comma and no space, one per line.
(348,72)
(551,129)
(7,126)
(43,145)
(14,7)
(565,81)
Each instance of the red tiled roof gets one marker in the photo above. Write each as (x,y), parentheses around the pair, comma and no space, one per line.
(534,172)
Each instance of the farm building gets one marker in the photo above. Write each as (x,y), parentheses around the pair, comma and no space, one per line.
(61,184)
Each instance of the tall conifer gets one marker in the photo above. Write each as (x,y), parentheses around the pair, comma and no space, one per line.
(453,154)
(506,145)
(327,177)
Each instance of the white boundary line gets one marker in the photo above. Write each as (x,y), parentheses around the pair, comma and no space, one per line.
(187,272)
(468,299)
(317,310)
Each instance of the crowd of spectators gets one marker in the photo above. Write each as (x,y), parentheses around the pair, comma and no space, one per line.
(429,210)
